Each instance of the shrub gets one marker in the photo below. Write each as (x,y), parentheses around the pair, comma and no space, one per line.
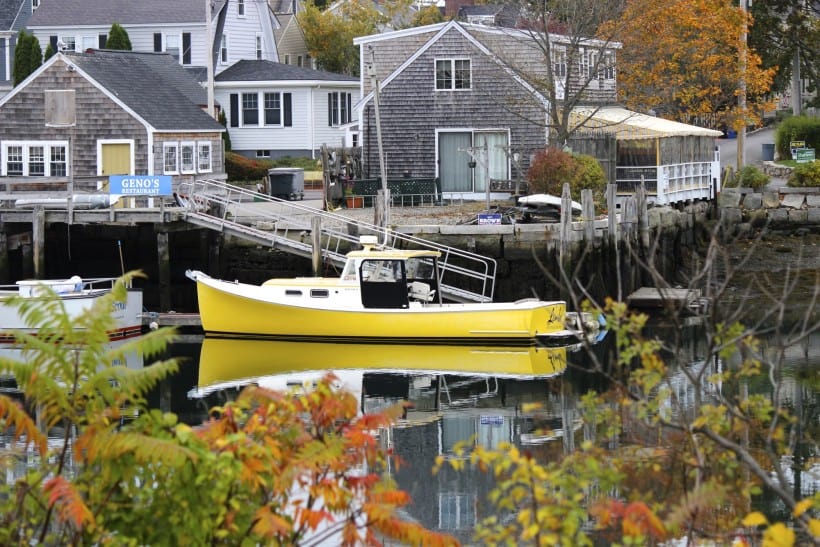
(751,177)
(805,174)
(241,169)
(797,128)
(552,167)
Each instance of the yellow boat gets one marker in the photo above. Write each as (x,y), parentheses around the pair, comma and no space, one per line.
(227,362)
(383,295)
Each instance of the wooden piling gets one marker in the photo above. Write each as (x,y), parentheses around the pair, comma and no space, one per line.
(38,241)
(316,245)
(164,268)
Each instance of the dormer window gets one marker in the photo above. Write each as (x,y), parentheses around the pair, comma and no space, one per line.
(240,8)
(35,4)
(453,74)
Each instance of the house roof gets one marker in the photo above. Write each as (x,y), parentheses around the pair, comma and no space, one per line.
(153,85)
(264,71)
(14,13)
(627,124)
(63,13)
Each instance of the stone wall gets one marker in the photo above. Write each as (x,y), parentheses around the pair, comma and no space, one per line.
(789,207)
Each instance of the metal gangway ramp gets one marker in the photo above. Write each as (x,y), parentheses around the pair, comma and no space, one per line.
(287,226)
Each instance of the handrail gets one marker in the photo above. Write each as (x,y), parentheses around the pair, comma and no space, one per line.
(465,276)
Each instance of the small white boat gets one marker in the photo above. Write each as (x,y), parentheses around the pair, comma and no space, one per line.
(76,295)
(79,201)
(383,295)
(545,205)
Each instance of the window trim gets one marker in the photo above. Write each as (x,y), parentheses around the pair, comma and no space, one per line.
(181,157)
(223,50)
(240,8)
(559,62)
(339,108)
(452,79)
(165,147)
(243,109)
(199,146)
(25,157)
(259,48)
(280,109)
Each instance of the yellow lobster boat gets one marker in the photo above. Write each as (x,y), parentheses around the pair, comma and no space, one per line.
(382,296)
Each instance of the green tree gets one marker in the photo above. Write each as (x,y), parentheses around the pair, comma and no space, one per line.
(49,53)
(226,136)
(428,15)
(329,34)
(552,167)
(23,56)
(118,38)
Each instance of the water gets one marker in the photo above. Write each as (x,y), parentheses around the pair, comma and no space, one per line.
(471,395)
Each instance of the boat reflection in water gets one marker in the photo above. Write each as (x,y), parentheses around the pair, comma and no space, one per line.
(229,362)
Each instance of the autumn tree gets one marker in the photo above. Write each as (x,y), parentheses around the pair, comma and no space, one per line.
(427,15)
(329,34)
(786,33)
(118,38)
(95,466)
(681,60)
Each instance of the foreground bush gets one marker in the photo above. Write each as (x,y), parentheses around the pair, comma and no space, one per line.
(552,167)
(268,469)
(805,175)
(750,176)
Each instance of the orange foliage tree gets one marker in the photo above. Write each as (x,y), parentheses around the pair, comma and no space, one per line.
(682,59)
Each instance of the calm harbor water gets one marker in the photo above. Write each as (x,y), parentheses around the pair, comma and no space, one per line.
(460,394)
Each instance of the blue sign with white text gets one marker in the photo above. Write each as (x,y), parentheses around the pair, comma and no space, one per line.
(140,185)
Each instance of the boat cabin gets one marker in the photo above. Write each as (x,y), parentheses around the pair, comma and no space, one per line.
(390,278)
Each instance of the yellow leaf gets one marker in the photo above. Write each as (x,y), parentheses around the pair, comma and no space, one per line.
(778,535)
(755,519)
(814,527)
(802,506)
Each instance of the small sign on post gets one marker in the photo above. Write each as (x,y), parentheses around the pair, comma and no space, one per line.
(805,155)
(140,185)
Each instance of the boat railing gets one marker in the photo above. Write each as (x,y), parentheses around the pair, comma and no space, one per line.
(290,226)
(24,287)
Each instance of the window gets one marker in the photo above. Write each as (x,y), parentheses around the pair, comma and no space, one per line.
(263,153)
(223,50)
(58,165)
(172,45)
(14,161)
(250,109)
(273,109)
(456,511)
(203,157)
(240,8)
(35,4)
(258,47)
(339,111)
(186,157)
(608,69)
(287,59)
(69,43)
(298,60)
(583,63)
(89,42)
(594,72)
(559,62)
(452,74)
(36,161)
(169,158)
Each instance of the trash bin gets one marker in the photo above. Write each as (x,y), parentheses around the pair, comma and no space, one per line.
(767,154)
(287,182)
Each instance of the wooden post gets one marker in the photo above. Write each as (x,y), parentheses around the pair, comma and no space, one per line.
(611,202)
(4,256)
(588,210)
(38,241)
(316,244)
(164,268)
(643,214)
(566,222)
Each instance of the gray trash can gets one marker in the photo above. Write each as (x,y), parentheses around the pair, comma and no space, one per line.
(287,182)
(768,151)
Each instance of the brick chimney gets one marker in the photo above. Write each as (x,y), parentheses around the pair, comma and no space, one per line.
(451,7)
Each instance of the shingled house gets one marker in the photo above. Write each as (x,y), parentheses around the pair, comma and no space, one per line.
(82,117)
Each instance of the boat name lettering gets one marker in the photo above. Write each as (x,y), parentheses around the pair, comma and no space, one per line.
(119,306)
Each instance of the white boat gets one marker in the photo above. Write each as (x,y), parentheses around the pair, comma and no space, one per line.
(545,205)
(76,295)
(79,201)
(383,295)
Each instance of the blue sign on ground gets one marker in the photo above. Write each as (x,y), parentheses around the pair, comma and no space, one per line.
(140,185)
(491,218)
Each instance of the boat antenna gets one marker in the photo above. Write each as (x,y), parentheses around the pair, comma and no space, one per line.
(122,264)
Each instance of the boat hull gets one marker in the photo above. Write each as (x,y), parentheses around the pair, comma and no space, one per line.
(249,311)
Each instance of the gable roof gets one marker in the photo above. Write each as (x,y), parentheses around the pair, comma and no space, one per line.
(63,13)
(153,85)
(14,14)
(265,71)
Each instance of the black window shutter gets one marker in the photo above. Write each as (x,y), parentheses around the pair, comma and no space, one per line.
(102,39)
(186,48)
(286,100)
(157,42)
(234,110)
(330,109)
(53,41)
(349,108)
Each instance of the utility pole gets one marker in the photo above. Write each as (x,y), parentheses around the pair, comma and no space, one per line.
(209,58)
(741,98)
(382,209)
